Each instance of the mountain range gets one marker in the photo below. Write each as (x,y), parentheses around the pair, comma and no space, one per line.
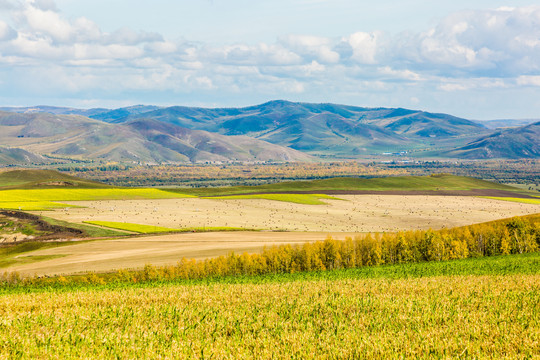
(273,131)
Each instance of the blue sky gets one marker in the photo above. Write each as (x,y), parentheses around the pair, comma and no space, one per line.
(475,59)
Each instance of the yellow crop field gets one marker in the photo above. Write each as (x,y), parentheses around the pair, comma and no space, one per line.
(519,200)
(422,318)
(33,205)
(22,195)
(47,199)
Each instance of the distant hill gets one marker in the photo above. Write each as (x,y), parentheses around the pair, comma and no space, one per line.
(327,129)
(506,123)
(522,142)
(144,140)
(276,130)
(43,179)
(16,156)
(54,110)
(95,113)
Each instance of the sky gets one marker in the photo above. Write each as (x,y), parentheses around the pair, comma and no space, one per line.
(475,59)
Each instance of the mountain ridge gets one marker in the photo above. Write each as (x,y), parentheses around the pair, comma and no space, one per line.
(278,129)
(515,143)
(146,141)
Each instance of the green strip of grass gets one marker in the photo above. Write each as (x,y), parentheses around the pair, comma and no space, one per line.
(9,253)
(91,231)
(137,228)
(150,229)
(518,200)
(522,264)
(21,260)
(306,199)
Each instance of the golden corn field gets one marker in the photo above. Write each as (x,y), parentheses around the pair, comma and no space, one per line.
(431,317)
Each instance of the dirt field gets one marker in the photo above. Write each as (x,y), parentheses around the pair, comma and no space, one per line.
(359,213)
(106,255)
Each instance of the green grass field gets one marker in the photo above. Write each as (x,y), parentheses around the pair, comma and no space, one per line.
(137,228)
(43,179)
(91,231)
(9,254)
(306,199)
(149,229)
(436,182)
(473,308)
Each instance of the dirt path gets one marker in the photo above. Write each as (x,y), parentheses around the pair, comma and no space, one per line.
(107,255)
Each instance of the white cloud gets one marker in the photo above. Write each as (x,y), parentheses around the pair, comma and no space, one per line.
(528,80)
(311,47)
(503,42)
(44,5)
(6,32)
(400,74)
(471,84)
(364,46)
(48,23)
(466,51)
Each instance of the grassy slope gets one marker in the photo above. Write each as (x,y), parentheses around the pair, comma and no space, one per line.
(474,308)
(92,231)
(437,182)
(8,254)
(41,179)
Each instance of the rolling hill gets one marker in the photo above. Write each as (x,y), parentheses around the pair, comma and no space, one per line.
(148,141)
(522,142)
(43,179)
(276,130)
(16,156)
(324,129)
(507,123)
(437,183)
(95,113)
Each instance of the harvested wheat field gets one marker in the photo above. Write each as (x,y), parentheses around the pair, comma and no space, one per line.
(354,213)
(136,252)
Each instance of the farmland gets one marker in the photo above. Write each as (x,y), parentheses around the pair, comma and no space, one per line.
(286,213)
(213,290)
(454,309)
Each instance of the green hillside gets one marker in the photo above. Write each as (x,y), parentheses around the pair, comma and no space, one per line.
(43,179)
(406,183)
